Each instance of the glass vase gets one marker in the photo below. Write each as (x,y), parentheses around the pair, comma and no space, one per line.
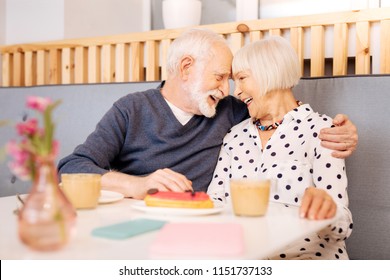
(47,218)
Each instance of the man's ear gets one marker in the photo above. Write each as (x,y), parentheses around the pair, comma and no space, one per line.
(185,65)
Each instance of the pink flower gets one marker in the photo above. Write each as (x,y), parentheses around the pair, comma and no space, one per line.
(27,128)
(20,165)
(23,172)
(20,155)
(14,150)
(38,103)
(34,141)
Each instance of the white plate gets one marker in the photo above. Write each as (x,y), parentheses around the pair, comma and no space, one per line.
(109,196)
(140,205)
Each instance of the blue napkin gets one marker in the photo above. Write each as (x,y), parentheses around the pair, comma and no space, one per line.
(128,229)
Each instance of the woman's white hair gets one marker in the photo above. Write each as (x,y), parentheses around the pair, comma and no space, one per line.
(272,61)
(197,43)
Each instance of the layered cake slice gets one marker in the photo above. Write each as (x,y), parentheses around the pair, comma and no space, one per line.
(156,198)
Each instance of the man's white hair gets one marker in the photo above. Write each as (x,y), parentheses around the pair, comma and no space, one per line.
(197,43)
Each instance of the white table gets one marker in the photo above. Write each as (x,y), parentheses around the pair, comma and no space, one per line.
(263,236)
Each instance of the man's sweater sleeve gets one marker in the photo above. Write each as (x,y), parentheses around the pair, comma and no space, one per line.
(100,148)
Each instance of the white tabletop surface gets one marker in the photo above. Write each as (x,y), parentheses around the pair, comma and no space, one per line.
(263,236)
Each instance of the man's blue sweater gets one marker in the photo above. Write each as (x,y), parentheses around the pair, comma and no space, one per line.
(140,134)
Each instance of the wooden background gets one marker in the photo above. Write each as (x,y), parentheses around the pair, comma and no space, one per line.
(141,56)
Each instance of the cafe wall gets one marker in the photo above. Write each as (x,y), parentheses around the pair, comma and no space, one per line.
(2,22)
(23,21)
(88,18)
(285,8)
(2,28)
(26,21)
(218,11)
(37,20)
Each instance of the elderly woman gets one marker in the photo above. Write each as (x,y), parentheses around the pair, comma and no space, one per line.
(280,141)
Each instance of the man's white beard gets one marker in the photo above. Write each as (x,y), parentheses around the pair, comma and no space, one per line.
(200,98)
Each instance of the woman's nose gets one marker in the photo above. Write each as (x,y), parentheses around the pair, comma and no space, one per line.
(237,91)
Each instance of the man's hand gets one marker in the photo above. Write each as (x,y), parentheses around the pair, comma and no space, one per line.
(137,186)
(167,180)
(342,138)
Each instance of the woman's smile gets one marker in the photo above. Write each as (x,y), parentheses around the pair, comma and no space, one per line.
(247,101)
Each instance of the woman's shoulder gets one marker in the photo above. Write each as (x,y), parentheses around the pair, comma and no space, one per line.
(238,129)
(311,117)
(321,120)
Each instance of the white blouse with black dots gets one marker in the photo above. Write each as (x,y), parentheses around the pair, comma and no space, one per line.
(293,156)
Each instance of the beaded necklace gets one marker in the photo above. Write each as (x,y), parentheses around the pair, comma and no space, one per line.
(261,127)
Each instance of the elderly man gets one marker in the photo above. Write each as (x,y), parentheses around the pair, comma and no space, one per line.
(169,138)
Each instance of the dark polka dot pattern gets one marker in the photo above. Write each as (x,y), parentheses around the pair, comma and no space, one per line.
(293,155)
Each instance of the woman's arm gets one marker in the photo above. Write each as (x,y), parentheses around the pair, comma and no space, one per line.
(329,194)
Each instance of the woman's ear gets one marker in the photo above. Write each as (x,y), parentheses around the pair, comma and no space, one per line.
(185,65)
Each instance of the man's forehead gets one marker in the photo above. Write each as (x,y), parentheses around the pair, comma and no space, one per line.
(224,65)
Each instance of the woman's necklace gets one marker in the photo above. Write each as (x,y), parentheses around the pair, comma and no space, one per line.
(261,127)
(257,123)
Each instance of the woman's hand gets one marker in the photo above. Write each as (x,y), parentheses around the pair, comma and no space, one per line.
(317,204)
(342,138)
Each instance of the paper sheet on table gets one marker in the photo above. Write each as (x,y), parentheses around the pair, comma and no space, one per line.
(199,240)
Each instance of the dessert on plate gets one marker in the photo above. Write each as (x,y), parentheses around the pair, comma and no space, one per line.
(157,198)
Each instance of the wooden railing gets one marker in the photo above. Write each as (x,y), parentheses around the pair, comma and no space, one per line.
(360,39)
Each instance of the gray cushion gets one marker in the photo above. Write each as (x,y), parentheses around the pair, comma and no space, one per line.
(366,100)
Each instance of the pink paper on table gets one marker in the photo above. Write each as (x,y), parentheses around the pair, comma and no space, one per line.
(199,240)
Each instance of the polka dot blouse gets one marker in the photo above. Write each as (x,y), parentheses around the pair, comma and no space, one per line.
(293,155)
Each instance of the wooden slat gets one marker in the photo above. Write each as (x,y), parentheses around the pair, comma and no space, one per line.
(18,69)
(385,47)
(152,68)
(42,67)
(30,69)
(275,32)
(362,65)
(94,70)
(108,65)
(137,62)
(81,65)
(236,42)
(122,63)
(6,70)
(67,66)
(340,49)
(54,67)
(255,35)
(317,65)
(164,57)
(297,42)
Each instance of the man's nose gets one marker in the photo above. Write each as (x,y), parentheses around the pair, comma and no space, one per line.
(225,88)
